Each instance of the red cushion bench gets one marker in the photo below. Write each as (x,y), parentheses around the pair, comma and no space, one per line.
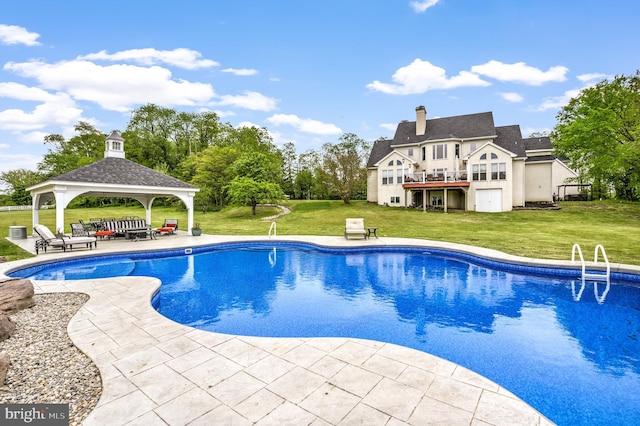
(103,234)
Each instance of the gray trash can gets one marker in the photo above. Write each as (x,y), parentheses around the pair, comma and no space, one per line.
(17,232)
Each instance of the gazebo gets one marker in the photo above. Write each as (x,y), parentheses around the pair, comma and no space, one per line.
(113,176)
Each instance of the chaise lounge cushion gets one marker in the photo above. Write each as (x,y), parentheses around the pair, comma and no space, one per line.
(355,226)
(48,238)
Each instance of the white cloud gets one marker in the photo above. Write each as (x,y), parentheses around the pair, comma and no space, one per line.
(422,5)
(24,93)
(248,124)
(115,87)
(10,162)
(4,145)
(389,126)
(13,34)
(241,71)
(557,102)
(520,73)
(420,76)
(593,78)
(528,131)
(250,100)
(181,58)
(511,96)
(306,125)
(59,111)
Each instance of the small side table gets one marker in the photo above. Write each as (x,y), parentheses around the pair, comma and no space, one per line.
(372,229)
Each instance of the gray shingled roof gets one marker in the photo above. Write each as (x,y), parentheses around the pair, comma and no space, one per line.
(510,138)
(540,158)
(543,142)
(460,127)
(120,171)
(378,151)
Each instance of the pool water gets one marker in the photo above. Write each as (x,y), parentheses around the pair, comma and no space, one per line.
(570,352)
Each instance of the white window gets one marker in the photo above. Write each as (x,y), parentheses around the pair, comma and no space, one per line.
(116,146)
(410,152)
(472,147)
(439,151)
(479,172)
(498,171)
(385,179)
(400,176)
(424,153)
(395,199)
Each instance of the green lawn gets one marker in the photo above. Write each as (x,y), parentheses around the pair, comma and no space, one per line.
(546,234)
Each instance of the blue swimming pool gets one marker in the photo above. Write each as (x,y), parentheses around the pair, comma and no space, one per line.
(572,352)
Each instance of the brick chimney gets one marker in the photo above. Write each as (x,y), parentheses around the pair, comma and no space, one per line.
(421,120)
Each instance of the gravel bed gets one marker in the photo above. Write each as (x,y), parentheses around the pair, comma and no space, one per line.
(45,366)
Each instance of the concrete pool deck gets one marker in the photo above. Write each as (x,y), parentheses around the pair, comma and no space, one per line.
(157,372)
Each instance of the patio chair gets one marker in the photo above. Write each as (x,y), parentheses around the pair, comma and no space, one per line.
(355,226)
(168,227)
(48,238)
(81,230)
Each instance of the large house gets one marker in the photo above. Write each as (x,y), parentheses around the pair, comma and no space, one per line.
(463,162)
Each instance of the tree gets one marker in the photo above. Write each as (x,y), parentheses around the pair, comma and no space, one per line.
(213,172)
(344,166)
(599,131)
(243,190)
(18,180)
(304,184)
(80,150)
(289,168)
(256,181)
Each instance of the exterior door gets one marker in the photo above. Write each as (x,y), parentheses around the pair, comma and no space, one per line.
(489,200)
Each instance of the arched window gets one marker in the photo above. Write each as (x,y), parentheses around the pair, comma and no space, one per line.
(494,156)
(398,163)
(483,156)
(390,163)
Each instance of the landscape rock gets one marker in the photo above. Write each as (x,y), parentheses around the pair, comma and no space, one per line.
(7,327)
(3,259)
(16,294)
(4,366)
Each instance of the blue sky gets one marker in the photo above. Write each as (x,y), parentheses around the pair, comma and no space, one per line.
(309,71)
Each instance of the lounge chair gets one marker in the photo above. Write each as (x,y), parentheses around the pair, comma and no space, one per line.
(168,227)
(48,238)
(355,227)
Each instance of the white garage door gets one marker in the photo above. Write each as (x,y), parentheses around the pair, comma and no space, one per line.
(489,200)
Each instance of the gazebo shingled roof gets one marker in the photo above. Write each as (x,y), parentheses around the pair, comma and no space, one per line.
(112,176)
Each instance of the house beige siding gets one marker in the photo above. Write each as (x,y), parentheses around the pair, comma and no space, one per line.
(538,186)
(518,183)
(484,158)
(372,185)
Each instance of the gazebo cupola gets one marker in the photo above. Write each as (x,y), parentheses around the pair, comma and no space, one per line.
(114,145)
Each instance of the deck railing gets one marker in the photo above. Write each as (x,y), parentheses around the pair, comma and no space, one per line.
(423,177)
